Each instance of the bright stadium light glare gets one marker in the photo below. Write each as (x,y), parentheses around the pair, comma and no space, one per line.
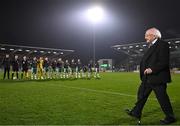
(177,42)
(3,49)
(95,14)
(11,49)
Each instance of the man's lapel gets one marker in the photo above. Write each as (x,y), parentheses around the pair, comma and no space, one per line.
(150,51)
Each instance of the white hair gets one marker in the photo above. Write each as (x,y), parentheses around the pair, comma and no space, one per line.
(154,31)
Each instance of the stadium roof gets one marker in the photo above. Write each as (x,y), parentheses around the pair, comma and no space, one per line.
(30,50)
(138,49)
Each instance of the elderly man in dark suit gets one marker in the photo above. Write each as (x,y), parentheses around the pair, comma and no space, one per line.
(155,74)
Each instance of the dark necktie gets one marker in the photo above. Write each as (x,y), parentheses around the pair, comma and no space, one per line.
(150,44)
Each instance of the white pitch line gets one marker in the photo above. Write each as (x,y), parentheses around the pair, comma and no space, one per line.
(105,92)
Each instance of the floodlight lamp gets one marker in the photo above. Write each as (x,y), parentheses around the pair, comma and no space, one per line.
(11,49)
(95,14)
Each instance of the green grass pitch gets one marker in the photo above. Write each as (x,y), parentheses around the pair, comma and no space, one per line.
(80,102)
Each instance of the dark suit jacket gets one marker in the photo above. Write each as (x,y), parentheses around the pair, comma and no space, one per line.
(6,63)
(156,58)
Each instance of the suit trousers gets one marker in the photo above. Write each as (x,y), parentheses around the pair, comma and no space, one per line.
(6,70)
(161,94)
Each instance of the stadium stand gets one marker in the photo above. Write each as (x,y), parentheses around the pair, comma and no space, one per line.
(31,51)
(135,51)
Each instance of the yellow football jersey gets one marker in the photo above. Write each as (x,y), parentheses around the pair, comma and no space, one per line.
(41,64)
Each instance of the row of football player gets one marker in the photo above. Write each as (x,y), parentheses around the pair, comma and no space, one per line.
(43,69)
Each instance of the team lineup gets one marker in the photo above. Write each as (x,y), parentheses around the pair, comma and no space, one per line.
(44,68)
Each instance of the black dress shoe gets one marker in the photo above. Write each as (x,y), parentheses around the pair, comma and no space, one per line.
(167,121)
(130,113)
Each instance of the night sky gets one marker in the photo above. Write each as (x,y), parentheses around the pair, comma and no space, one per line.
(61,24)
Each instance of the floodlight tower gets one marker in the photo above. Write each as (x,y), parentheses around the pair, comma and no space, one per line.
(95,15)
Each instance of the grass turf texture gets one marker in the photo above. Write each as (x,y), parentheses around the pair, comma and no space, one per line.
(80,102)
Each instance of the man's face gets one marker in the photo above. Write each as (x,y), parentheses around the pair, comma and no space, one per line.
(149,37)
(24,57)
(7,56)
(34,58)
(16,57)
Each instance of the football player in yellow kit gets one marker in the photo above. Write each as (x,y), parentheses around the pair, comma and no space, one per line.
(40,68)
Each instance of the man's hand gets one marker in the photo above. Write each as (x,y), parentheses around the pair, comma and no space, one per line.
(148,71)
